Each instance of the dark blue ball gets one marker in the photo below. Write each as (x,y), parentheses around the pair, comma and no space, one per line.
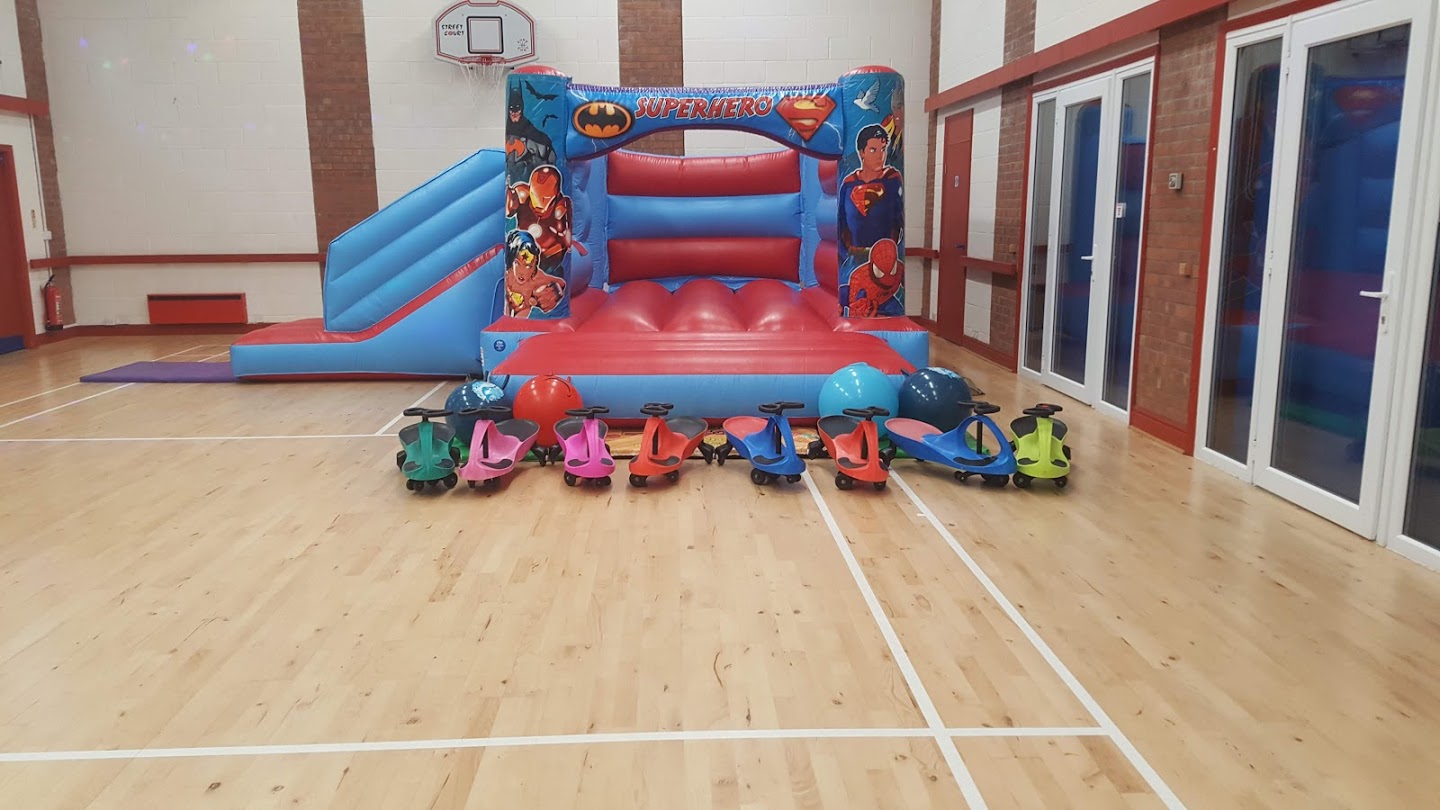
(470,394)
(931,395)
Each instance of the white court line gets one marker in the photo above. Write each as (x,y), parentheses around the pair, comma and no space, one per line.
(72,385)
(382,431)
(704,735)
(66,405)
(70,439)
(945,743)
(1091,705)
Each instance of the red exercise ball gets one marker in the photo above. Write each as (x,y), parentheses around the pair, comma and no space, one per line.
(544,400)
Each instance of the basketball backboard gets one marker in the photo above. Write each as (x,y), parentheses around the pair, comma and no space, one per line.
(475,32)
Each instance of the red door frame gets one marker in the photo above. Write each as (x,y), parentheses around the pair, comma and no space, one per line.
(15,267)
(959,129)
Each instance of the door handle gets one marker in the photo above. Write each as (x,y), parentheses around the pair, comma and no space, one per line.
(1087,258)
(1379,295)
(959,247)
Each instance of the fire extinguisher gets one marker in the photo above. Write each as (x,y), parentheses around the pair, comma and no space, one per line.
(54,321)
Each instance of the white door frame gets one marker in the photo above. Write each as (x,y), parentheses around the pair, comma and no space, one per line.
(1107,87)
(1346,19)
(1412,318)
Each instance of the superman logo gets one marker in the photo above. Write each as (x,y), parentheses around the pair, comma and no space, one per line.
(805,114)
(865,195)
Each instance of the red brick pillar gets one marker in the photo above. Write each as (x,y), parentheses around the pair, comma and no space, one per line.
(1010,186)
(1171,296)
(652,54)
(932,121)
(337,111)
(37,88)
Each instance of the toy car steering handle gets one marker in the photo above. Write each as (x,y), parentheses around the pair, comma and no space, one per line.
(980,407)
(657,408)
(868,414)
(593,410)
(488,411)
(425,413)
(779,407)
(1042,409)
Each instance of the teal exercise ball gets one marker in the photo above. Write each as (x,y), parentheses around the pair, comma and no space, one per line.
(470,394)
(859,385)
(932,395)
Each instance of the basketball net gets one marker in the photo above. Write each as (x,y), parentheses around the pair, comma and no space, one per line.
(483,77)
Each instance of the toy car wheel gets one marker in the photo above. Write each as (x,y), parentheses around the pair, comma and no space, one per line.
(454,454)
(997,480)
(492,483)
(556,453)
(879,485)
(639,481)
(603,481)
(399,459)
(759,478)
(1022,480)
(471,483)
(794,479)
(843,481)
(816,450)
(413,485)
(571,480)
(672,476)
(961,475)
(1067,451)
(1063,481)
(450,481)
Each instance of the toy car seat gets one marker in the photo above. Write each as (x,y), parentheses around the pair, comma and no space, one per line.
(582,445)
(853,440)
(1039,446)
(666,443)
(497,443)
(428,456)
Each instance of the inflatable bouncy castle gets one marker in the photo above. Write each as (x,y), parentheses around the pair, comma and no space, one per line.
(713,283)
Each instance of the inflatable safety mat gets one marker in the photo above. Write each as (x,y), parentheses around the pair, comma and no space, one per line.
(626,443)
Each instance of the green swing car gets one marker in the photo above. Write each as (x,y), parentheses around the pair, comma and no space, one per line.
(430,455)
(1039,446)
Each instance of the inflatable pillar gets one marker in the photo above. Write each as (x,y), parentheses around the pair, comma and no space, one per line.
(538,188)
(871,194)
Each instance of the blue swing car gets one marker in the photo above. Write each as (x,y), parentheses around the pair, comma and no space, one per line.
(769,443)
(967,454)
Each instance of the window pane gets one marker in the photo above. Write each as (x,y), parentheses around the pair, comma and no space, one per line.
(1354,90)
(1125,267)
(1039,232)
(1422,511)
(1242,254)
(1077,238)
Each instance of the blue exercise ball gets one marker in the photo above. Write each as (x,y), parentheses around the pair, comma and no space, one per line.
(931,395)
(470,394)
(859,385)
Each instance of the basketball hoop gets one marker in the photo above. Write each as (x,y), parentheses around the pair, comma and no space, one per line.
(484,39)
(484,71)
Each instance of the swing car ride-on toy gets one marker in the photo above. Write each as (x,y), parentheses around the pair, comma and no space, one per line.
(1039,445)
(853,440)
(497,444)
(767,443)
(582,446)
(665,444)
(966,453)
(428,457)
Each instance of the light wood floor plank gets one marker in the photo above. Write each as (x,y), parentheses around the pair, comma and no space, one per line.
(1083,773)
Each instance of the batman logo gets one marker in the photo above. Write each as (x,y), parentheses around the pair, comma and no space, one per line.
(602,119)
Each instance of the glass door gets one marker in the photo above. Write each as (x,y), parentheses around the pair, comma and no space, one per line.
(1346,153)
(1088,177)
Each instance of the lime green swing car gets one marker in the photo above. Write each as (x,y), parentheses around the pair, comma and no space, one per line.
(1039,446)
(429,455)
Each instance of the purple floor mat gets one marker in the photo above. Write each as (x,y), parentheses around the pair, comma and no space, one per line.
(157,372)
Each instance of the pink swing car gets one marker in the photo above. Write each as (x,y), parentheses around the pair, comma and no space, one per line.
(498,443)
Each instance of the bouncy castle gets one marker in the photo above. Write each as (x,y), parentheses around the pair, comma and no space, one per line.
(714,283)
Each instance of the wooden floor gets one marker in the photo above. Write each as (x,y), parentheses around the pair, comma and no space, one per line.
(221,596)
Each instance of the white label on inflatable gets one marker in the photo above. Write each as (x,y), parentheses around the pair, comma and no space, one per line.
(469,30)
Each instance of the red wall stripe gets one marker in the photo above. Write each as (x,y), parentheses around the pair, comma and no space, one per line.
(177,258)
(635,174)
(25,106)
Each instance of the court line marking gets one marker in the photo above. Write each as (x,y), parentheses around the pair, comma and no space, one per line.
(69,439)
(77,382)
(120,387)
(1162,790)
(603,738)
(382,431)
(943,741)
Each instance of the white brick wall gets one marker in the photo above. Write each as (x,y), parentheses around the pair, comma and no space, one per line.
(180,128)
(427,117)
(1059,20)
(972,37)
(808,41)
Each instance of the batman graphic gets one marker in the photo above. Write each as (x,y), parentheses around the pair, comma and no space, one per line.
(526,146)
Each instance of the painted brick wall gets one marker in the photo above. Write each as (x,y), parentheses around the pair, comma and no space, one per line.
(180,128)
(337,114)
(427,117)
(1174,227)
(19,44)
(652,54)
(1059,20)
(974,39)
